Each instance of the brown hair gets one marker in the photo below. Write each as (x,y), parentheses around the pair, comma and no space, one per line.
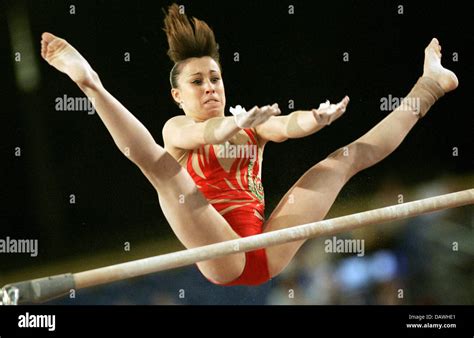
(187,39)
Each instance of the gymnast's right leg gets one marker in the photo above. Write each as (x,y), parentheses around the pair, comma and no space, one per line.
(194,221)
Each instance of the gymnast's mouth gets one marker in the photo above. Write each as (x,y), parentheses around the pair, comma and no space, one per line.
(211,100)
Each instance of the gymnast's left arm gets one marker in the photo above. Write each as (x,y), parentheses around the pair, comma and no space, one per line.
(301,123)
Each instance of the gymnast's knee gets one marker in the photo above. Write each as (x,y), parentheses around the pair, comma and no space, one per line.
(354,157)
(224,270)
(344,160)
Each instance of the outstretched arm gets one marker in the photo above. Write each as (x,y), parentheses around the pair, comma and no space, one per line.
(130,136)
(301,123)
(183,132)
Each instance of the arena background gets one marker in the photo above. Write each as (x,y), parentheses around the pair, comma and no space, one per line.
(65,183)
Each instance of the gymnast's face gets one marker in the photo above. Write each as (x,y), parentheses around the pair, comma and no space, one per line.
(200,89)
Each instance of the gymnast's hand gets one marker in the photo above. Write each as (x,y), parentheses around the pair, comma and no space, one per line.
(255,116)
(327,112)
(65,58)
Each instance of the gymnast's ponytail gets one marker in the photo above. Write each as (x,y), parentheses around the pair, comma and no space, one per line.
(187,39)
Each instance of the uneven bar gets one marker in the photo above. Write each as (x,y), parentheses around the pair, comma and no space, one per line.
(187,257)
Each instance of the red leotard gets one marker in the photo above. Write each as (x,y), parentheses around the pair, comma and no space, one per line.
(236,192)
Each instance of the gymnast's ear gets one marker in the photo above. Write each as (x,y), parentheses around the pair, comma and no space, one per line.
(176,94)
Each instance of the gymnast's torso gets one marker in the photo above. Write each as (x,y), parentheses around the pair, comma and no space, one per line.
(229,176)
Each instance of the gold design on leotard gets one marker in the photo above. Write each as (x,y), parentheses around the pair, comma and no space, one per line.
(254,183)
(196,167)
(231,186)
(258,215)
(238,177)
(213,186)
(232,207)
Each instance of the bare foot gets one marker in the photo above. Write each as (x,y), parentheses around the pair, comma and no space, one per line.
(65,58)
(433,69)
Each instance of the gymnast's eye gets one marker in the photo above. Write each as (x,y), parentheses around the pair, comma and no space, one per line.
(215,79)
(197,81)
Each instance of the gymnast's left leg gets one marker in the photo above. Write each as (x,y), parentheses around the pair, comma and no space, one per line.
(311,197)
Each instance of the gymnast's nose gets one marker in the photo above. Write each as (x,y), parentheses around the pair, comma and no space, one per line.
(209,87)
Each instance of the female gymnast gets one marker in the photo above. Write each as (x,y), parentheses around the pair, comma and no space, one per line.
(209,195)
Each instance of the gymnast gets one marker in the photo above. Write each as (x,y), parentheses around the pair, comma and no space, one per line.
(209,198)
